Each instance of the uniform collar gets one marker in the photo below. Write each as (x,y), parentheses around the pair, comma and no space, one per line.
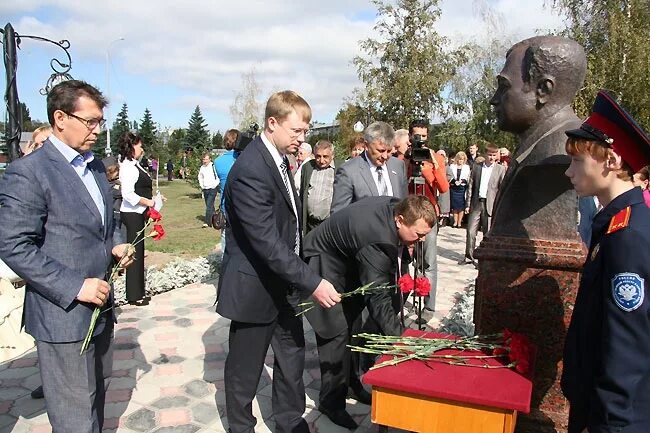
(628,198)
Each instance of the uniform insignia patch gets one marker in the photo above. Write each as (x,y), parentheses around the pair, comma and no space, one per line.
(620,220)
(628,291)
(594,252)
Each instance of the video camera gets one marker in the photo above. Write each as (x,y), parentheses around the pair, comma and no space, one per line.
(246,137)
(419,152)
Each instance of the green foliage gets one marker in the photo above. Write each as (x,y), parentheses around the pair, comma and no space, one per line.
(27,119)
(407,66)
(147,129)
(197,137)
(217,140)
(175,145)
(99,149)
(120,126)
(615,36)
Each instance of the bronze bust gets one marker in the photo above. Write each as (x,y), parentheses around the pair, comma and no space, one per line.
(533,100)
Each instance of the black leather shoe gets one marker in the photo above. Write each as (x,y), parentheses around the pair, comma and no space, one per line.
(38,393)
(359,394)
(339,417)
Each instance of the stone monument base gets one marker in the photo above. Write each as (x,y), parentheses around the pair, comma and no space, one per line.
(529,286)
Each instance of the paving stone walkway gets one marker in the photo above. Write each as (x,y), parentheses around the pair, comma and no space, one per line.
(169,361)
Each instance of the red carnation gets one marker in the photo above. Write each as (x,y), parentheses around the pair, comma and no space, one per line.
(158,232)
(154,215)
(519,350)
(406,283)
(422,286)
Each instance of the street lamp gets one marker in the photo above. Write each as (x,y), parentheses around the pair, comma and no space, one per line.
(358,127)
(108,92)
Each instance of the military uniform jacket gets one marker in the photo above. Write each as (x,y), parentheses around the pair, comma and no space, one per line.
(606,373)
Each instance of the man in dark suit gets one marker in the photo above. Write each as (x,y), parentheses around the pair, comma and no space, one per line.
(375,173)
(351,251)
(316,185)
(484,184)
(57,233)
(262,276)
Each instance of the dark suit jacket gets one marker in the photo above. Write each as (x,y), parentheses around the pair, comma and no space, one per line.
(356,246)
(52,235)
(354,181)
(307,170)
(260,266)
(472,195)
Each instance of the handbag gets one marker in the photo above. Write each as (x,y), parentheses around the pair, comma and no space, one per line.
(219,221)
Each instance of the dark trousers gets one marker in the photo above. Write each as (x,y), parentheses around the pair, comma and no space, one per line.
(339,367)
(478,216)
(134,222)
(209,195)
(75,386)
(170,175)
(248,344)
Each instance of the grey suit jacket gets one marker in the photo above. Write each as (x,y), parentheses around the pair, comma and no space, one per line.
(496,178)
(354,181)
(51,234)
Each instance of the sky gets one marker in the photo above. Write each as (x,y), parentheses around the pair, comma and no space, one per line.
(170,55)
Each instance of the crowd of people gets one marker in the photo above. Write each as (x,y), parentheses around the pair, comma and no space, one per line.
(300,225)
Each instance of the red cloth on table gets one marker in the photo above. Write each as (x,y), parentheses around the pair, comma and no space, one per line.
(498,387)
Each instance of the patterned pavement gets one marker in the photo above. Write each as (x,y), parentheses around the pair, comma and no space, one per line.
(169,360)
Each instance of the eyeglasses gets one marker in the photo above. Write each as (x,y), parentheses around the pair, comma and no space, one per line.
(90,123)
(296,132)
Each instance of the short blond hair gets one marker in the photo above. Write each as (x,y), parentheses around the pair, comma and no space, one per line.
(576,146)
(282,104)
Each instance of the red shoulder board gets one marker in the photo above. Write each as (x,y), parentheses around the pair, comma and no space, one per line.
(620,220)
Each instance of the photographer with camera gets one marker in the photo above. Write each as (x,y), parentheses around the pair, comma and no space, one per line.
(426,176)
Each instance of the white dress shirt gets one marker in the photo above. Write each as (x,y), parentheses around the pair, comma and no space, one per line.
(278,159)
(375,176)
(129,173)
(485,179)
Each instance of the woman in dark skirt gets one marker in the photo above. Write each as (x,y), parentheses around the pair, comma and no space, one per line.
(457,187)
(136,199)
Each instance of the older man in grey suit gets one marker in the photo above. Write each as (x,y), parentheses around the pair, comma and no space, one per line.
(374,173)
(57,233)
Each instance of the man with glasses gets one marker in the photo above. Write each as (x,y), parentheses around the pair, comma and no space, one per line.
(263,277)
(57,232)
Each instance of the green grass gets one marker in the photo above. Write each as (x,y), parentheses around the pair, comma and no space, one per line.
(183,215)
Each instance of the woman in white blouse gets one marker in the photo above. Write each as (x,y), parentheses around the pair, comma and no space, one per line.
(136,187)
(457,187)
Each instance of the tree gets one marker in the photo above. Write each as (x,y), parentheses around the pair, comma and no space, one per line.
(197,137)
(176,144)
(246,110)
(148,132)
(614,34)
(27,119)
(469,118)
(120,126)
(217,140)
(406,67)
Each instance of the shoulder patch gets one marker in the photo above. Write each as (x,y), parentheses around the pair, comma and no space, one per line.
(620,220)
(628,290)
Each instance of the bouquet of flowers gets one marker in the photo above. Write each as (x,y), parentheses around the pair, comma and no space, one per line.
(363,290)
(513,348)
(420,285)
(157,233)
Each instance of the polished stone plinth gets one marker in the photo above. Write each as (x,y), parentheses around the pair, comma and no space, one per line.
(529,286)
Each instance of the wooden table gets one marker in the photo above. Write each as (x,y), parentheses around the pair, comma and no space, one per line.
(434,397)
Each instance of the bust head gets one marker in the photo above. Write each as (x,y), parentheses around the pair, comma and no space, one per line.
(541,76)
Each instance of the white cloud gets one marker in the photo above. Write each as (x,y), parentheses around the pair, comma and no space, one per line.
(203,47)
